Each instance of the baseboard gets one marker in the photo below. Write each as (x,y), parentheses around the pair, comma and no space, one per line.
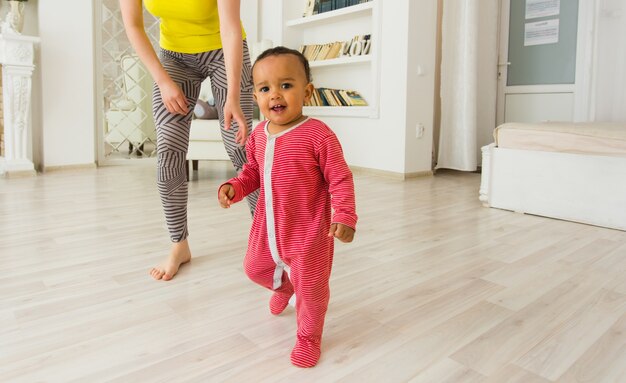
(59,168)
(428,173)
(355,169)
(389,174)
(18,174)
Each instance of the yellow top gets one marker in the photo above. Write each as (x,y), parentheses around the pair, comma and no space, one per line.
(188,26)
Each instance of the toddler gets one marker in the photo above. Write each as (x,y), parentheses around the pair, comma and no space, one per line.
(306,197)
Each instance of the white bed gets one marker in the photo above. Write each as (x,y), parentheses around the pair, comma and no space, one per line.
(570,171)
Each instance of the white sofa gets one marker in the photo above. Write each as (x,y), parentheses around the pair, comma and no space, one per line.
(205,141)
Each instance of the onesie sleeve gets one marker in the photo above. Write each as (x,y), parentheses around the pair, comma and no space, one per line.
(248,180)
(340,181)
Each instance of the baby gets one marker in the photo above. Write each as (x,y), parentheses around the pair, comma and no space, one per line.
(306,197)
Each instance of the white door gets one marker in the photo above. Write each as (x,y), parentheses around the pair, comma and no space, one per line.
(541,66)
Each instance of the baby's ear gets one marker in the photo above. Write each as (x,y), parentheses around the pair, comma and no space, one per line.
(308,91)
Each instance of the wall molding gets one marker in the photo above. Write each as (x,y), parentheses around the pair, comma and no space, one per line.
(390,174)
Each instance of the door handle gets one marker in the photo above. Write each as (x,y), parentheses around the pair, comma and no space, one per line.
(506,64)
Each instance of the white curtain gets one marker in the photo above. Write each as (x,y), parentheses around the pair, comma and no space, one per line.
(468,81)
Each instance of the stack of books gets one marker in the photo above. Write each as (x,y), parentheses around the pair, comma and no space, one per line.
(322,51)
(358,46)
(336,97)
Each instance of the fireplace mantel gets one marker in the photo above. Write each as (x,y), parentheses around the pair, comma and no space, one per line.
(17,59)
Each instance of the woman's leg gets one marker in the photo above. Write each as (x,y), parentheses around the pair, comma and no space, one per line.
(172,142)
(214,62)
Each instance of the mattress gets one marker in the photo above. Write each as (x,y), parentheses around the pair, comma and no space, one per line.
(598,138)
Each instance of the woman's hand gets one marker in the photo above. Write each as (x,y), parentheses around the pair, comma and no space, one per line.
(232,111)
(173,97)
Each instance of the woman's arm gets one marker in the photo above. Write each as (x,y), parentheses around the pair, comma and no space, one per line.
(173,97)
(232,46)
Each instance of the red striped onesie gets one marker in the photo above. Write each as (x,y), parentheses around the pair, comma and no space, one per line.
(297,170)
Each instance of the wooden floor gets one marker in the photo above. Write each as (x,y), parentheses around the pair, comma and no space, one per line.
(435,288)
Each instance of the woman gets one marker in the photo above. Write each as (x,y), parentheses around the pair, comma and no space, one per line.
(198,39)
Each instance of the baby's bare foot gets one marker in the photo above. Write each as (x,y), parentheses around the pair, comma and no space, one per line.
(179,255)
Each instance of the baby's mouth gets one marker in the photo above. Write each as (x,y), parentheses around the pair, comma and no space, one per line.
(278,108)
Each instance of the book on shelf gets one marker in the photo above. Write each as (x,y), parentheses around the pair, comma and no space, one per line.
(326,5)
(344,97)
(322,98)
(355,98)
(334,51)
(330,96)
(317,51)
(313,7)
(315,98)
(340,4)
(323,52)
(336,97)
(309,8)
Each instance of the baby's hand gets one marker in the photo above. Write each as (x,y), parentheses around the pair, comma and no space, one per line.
(342,232)
(225,195)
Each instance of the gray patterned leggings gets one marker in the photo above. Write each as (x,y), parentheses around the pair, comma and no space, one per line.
(188,71)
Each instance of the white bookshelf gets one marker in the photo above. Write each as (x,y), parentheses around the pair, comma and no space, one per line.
(359,73)
(348,60)
(339,111)
(332,16)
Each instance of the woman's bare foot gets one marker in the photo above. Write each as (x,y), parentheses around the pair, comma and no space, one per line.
(179,254)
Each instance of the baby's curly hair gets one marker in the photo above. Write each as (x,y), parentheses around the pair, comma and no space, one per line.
(280,50)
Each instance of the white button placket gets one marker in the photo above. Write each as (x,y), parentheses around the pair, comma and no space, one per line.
(269,211)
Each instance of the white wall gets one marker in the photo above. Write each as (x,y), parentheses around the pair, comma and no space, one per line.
(250,18)
(420,95)
(66,63)
(610,91)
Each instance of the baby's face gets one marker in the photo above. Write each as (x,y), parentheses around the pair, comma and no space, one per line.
(281,88)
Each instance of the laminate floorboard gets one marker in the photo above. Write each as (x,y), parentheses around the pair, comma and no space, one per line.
(435,288)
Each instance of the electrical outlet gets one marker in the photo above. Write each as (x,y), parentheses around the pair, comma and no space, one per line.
(419,130)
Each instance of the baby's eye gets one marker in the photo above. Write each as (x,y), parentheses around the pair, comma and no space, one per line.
(264,89)
(286,86)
